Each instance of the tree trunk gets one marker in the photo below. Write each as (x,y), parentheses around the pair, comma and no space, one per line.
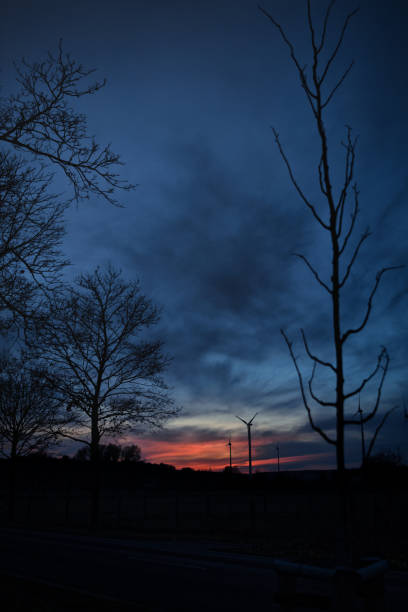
(343,537)
(95,472)
(12,482)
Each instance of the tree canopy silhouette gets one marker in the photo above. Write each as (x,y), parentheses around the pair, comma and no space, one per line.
(40,121)
(28,415)
(31,221)
(104,369)
(28,408)
(41,130)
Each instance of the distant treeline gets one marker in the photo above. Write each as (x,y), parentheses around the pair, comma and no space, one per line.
(122,468)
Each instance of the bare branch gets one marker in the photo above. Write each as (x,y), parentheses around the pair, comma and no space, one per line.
(284,38)
(382,356)
(338,84)
(326,364)
(302,391)
(377,430)
(358,329)
(317,399)
(371,414)
(326,19)
(321,180)
(354,215)
(312,33)
(63,433)
(314,272)
(348,177)
(311,96)
(338,45)
(295,184)
(363,237)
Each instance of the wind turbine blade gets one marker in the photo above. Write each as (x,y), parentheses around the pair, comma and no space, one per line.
(253,417)
(241,420)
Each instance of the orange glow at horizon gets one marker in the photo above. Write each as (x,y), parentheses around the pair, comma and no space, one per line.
(211,454)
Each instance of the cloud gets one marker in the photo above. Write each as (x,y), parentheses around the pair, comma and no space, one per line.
(212,225)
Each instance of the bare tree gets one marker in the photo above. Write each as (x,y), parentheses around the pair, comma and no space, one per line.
(337,217)
(334,219)
(108,377)
(28,414)
(31,229)
(39,120)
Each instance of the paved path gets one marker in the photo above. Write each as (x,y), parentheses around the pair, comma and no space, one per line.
(162,575)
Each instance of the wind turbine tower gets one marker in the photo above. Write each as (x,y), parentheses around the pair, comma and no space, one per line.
(360,412)
(230,455)
(249,425)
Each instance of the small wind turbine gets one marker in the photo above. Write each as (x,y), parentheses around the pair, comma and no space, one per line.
(360,411)
(230,456)
(363,451)
(249,425)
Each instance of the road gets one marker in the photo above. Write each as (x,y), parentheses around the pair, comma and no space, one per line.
(164,576)
(161,575)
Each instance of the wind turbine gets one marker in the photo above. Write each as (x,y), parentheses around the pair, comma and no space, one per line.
(249,425)
(230,457)
(360,413)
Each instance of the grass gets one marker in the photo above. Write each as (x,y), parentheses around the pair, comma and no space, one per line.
(21,595)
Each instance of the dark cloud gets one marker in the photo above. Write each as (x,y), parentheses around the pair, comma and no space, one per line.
(213,225)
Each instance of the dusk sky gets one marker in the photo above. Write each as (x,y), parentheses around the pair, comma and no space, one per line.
(193,89)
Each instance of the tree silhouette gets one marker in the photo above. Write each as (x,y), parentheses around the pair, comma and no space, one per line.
(31,222)
(107,375)
(40,131)
(131,453)
(40,121)
(111,453)
(28,414)
(337,218)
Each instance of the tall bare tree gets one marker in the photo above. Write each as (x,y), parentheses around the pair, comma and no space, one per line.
(106,371)
(337,217)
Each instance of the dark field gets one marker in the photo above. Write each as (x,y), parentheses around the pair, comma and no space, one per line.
(20,595)
(286,515)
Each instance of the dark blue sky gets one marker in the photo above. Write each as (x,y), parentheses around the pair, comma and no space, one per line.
(193,90)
